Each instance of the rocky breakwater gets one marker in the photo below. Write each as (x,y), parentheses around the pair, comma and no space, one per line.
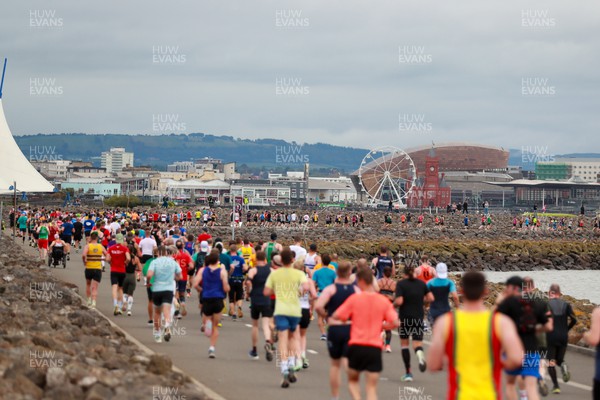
(53,347)
(482,250)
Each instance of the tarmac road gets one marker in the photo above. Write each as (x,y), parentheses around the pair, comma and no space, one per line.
(234,375)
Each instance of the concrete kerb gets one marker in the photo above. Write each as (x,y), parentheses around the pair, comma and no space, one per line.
(209,392)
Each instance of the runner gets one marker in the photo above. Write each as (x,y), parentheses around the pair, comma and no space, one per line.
(77,234)
(260,305)
(323,277)
(425,271)
(148,247)
(165,271)
(297,248)
(563,319)
(474,339)
(271,246)
(88,225)
(186,264)
(132,269)
(411,294)
(284,283)
(22,224)
(43,232)
(93,253)
(526,315)
(118,256)
(236,283)
(212,280)
(441,288)
(306,302)
(67,235)
(338,336)
(370,313)
(312,259)
(382,261)
(387,287)
(148,284)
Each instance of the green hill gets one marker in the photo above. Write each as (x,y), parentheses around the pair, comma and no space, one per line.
(160,150)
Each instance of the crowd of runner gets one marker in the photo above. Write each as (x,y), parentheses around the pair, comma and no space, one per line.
(357,305)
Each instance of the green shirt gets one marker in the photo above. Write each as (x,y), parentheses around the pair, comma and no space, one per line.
(145,269)
(43,233)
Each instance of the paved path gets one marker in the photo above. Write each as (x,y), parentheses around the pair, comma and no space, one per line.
(234,376)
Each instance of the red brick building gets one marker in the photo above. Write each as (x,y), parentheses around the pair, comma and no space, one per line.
(430,189)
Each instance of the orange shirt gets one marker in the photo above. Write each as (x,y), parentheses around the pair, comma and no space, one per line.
(426,273)
(367,311)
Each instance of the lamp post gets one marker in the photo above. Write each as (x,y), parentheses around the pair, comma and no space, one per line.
(232,199)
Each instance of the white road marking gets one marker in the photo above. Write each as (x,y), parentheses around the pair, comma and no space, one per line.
(312,351)
(579,386)
(249,325)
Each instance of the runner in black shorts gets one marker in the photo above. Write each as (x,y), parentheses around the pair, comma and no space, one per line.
(328,302)
(411,294)
(260,305)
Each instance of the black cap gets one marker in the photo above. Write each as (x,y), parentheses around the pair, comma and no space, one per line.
(273,236)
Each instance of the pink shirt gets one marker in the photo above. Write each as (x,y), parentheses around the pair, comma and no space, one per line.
(367,311)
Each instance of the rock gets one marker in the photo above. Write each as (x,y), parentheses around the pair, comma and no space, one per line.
(55,377)
(160,364)
(99,392)
(139,359)
(87,381)
(27,388)
(67,391)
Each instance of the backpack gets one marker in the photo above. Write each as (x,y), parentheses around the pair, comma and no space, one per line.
(528,319)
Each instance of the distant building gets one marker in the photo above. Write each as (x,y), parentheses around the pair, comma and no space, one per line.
(116,159)
(331,190)
(52,169)
(588,169)
(92,186)
(205,169)
(430,190)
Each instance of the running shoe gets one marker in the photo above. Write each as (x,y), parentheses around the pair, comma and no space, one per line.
(234,317)
(89,302)
(208,328)
(119,311)
(407,378)
(305,363)
(556,390)
(116,311)
(93,303)
(124,308)
(150,322)
(269,351)
(543,387)
(167,335)
(211,352)
(253,354)
(183,310)
(129,313)
(566,374)
(388,348)
(157,337)
(285,383)
(219,325)
(323,337)
(292,375)
(421,358)
(240,314)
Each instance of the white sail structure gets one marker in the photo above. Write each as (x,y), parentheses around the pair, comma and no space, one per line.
(14,166)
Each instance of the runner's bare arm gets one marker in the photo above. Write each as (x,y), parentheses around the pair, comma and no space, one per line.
(429,297)
(511,343)
(225,280)
(592,337)
(435,355)
(323,300)
(198,279)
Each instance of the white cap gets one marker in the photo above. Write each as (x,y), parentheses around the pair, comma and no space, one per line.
(442,270)
(204,246)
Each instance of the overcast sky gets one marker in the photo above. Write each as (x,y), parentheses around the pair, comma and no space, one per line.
(505,73)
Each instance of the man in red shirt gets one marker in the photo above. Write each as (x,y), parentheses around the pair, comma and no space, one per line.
(118,256)
(370,313)
(204,236)
(186,263)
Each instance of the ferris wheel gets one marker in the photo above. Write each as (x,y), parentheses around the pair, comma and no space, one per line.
(387,174)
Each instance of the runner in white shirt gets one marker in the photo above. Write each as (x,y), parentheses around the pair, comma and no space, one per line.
(297,248)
